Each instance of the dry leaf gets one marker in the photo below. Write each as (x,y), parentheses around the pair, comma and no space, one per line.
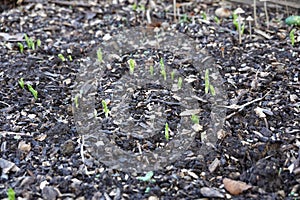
(235,187)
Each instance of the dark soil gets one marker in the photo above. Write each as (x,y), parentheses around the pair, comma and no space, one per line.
(41,150)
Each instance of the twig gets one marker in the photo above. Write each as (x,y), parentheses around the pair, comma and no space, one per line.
(239,108)
(71,3)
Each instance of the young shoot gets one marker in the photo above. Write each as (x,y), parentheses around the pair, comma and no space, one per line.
(217,20)
(99,55)
(167,135)
(163,70)
(33,91)
(38,43)
(208,86)
(147,177)
(70,57)
(292,36)
(11,195)
(204,16)
(131,66)
(21,83)
(76,101)
(105,108)
(195,119)
(151,70)
(21,47)
(61,57)
(172,75)
(179,83)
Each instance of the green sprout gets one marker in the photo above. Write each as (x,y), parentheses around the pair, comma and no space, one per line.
(236,23)
(172,75)
(147,190)
(184,18)
(134,7)
(21,47)
(76,101)
(11,195)
(33,91)
(38,43)
(163,70)
(208,86)
(21,83)
(32,43)
(195,119)
(131,66)
(29,42)
(204,16)
(99,55)
(292,36)
(147,177)
(167,136)
(70,57)
(105,108)
(217,20)
(151,70)
(61,57)
(179,84)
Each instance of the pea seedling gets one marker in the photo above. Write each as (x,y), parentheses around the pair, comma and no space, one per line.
(61,57)
(21,83)
(151,70)
(179,83)
(21,47)
(33,91)
(167,135)
(147,177)
(131,66)
(195,119)
(208,86)
(163,70)
(11,195)
(292,36)
(99,55)
(105,108)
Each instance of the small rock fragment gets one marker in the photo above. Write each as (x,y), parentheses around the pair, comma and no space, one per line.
(49,193)
(235,187)
(68,147)
(213,166)
(211,192)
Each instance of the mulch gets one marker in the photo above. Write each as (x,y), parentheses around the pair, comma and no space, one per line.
(257,152)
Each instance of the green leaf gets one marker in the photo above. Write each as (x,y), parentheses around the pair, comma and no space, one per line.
(195,119)
(167,136)
(131,66)
(147,177)
(99,55)
(61,57)
(292,36)
(21,83)
(105,108)
(11,195)
(179,82)
(33,91)
(21,47)
(293,20)
(212,90)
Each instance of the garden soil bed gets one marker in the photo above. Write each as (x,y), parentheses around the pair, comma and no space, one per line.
(41,149)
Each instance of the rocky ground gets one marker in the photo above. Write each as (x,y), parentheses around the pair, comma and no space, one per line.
(257,152)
